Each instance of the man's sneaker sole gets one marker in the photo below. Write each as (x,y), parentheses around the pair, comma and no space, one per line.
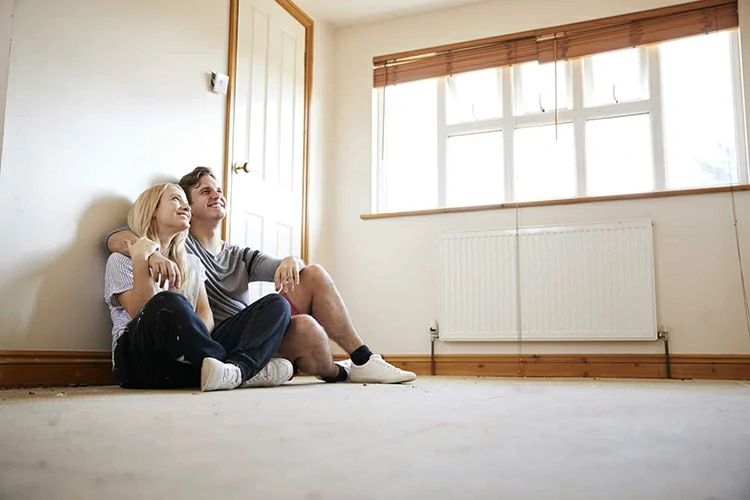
(410,377)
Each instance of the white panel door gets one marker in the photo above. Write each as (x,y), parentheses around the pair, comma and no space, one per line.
(266,195)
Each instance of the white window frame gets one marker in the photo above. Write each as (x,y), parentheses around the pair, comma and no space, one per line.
(578,114)
(739,108)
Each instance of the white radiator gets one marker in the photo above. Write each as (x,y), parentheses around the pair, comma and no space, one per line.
(576,282)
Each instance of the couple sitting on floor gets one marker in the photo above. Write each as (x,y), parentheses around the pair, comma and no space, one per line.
(181,312)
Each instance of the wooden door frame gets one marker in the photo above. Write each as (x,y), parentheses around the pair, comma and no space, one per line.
(309,25)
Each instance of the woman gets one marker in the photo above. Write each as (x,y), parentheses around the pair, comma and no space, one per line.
(162,339)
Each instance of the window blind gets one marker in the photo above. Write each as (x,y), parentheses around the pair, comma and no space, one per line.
(558,43)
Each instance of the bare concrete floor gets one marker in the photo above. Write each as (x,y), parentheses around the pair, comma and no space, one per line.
(441,438)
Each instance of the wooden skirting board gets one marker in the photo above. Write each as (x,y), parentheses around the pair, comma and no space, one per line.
(726,367)
(55,368)
(61,368)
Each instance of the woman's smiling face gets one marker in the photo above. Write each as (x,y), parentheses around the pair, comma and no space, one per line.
(173,212)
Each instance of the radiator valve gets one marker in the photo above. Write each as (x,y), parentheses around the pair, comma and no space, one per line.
(663,333)
(434,334)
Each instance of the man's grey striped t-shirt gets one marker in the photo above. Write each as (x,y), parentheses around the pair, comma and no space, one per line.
(229,273)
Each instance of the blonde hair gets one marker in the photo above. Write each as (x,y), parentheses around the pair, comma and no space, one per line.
(142,221)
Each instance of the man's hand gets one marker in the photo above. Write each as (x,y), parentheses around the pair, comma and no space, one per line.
(163,269)
(287,275)
(142,249)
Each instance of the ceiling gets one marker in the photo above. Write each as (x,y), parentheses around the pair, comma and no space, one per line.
(348,12)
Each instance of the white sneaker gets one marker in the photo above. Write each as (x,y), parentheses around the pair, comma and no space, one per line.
(218,376)
(278,371)
(379,371)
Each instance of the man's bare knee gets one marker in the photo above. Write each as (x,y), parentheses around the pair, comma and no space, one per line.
(315,273)
(304,324)
(305,331)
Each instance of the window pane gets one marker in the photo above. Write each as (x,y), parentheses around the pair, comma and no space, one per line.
(411,146)
(615,77)
(536,87)
(475,96)
(618,156)
(545,167)
(475,169)
(699,120)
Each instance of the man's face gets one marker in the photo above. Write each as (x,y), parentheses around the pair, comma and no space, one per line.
(207,200)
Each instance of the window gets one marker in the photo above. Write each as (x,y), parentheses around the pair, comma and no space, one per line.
(544,153)
(616,77)
(618,155)
(475,174)
(699,106)
(626,121)
(535,87)
(408,156)
(475,96)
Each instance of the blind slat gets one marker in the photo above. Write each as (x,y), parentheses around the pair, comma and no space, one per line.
(579,40)
(638,33)
(462,61)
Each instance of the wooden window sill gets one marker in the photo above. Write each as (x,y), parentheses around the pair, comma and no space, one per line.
(568,201)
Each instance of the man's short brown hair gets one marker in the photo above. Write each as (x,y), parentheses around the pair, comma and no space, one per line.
(192,179)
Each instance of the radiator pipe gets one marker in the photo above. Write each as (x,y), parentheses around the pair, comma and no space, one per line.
(433,338)
(664,335)
(432,357)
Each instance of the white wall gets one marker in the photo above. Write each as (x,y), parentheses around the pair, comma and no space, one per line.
(321,139)
(105,97)
(387,270)
(321,182)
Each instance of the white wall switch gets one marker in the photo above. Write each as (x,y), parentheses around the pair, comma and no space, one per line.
(219,83)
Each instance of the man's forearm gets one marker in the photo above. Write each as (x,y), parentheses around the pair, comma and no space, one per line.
(118,242)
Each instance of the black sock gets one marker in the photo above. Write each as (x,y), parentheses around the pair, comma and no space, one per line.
(361,355)
(341,377)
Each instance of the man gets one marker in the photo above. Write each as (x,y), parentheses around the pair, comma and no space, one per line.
(318,311)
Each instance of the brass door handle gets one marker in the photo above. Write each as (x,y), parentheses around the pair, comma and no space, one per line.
(241,168)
